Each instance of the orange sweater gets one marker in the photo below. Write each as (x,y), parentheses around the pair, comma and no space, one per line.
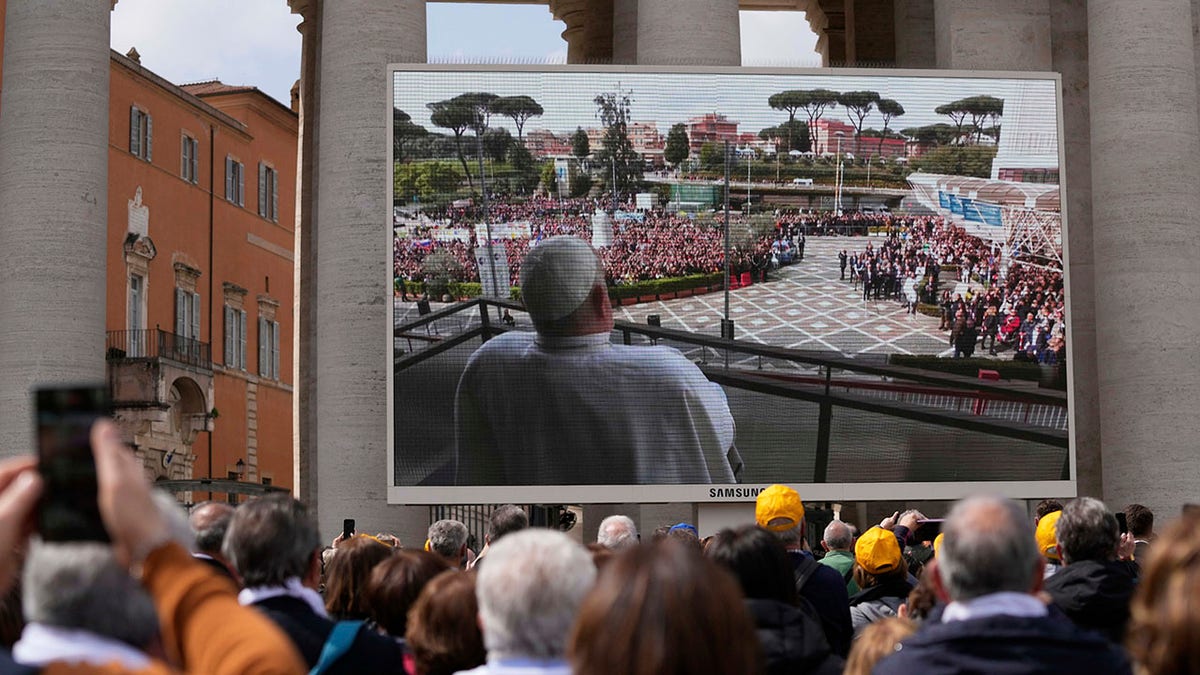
(203,626)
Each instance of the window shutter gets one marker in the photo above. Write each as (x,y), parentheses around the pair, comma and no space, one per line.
(195,161)
(230,329)
(195,332)
(149,138)
(180,311)
(275,349)
(184,161)
(135,130)
(241,187)
(275,196)
(262,346)
(262,189)
(242,341)
(229,179)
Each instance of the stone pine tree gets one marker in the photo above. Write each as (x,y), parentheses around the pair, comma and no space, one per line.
(889,109)
(457,116)
(858,105)
(403,131)
(814,103)
(519,109)
(677,148)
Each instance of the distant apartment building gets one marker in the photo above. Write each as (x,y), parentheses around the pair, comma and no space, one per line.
(710,128)
(832,136)
(544,143)
(200,292)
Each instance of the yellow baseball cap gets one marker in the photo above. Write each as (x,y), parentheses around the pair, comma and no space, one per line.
(1047,539)
(937,543)
(877,551)
(780,505)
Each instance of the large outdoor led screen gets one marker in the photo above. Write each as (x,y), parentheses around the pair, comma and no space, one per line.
(572,247)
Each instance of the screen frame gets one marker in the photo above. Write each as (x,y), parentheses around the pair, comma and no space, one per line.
(658,493)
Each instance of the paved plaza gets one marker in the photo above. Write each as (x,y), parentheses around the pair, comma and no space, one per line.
(808,308)
(805,306)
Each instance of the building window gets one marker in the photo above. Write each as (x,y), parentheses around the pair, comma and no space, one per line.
(235,181)
(189,162)
(266,481)
(141,134)
(235,338)
(268,348)
(268,192)
(187,326)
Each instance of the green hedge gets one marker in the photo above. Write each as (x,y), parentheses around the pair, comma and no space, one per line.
(458,289)
(664,286)
(1047,376)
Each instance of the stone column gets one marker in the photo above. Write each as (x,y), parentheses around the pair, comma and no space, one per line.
(689,32)
(598,32)
(350,249)
(1145,210)
(915,35)
(993,34)
(1070,54)
(54,136)
(625,31)
(304,428)
(574,14)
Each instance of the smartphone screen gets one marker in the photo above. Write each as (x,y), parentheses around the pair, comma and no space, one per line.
(927,530)
(69,510)
(347,528)
(1122,524)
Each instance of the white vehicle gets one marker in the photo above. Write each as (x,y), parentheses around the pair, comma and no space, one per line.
(802,181)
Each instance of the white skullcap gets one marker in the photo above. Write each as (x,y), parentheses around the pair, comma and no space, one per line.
(557,277)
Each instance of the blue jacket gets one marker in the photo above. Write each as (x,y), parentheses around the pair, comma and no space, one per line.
(826,592)
(1005,645)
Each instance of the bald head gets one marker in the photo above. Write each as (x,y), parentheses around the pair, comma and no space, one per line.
(837,536)
(209,522)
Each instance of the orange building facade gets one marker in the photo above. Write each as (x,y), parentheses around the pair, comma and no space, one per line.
(200,276)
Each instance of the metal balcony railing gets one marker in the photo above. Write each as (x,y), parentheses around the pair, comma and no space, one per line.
(155,343)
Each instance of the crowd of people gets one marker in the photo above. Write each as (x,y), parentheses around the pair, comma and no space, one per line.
(251,589)
(1016,307)
(659,245)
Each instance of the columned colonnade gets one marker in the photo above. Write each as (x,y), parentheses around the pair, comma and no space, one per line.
(1132,137)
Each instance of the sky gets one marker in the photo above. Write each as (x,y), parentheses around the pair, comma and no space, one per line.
(667,99)
(188,41)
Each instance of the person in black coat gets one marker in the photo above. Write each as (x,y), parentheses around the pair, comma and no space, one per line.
(989,571)
(273,544)
(788,629)
(1096,582)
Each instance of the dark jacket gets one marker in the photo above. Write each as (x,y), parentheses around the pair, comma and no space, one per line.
(1095,595)
(370,653)
(826,592)
(792,638)
(1005,645)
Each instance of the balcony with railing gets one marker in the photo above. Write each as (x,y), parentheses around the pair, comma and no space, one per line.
(154,343)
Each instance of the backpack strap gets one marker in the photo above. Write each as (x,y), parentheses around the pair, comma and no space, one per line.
(336,645)
(804,571)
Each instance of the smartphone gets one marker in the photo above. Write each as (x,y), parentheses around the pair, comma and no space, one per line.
(69,509)
(927,530)
(347,528)
(1122,524)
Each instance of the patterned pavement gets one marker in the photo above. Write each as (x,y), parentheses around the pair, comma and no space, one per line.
(807,308)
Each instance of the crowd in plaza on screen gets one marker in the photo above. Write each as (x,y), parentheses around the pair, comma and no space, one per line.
(252,589)
(662,245)
(1017,307)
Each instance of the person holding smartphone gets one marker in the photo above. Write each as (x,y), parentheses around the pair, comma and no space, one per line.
(203,628)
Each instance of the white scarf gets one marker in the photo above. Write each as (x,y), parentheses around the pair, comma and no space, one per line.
(291,588)
(41,645)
